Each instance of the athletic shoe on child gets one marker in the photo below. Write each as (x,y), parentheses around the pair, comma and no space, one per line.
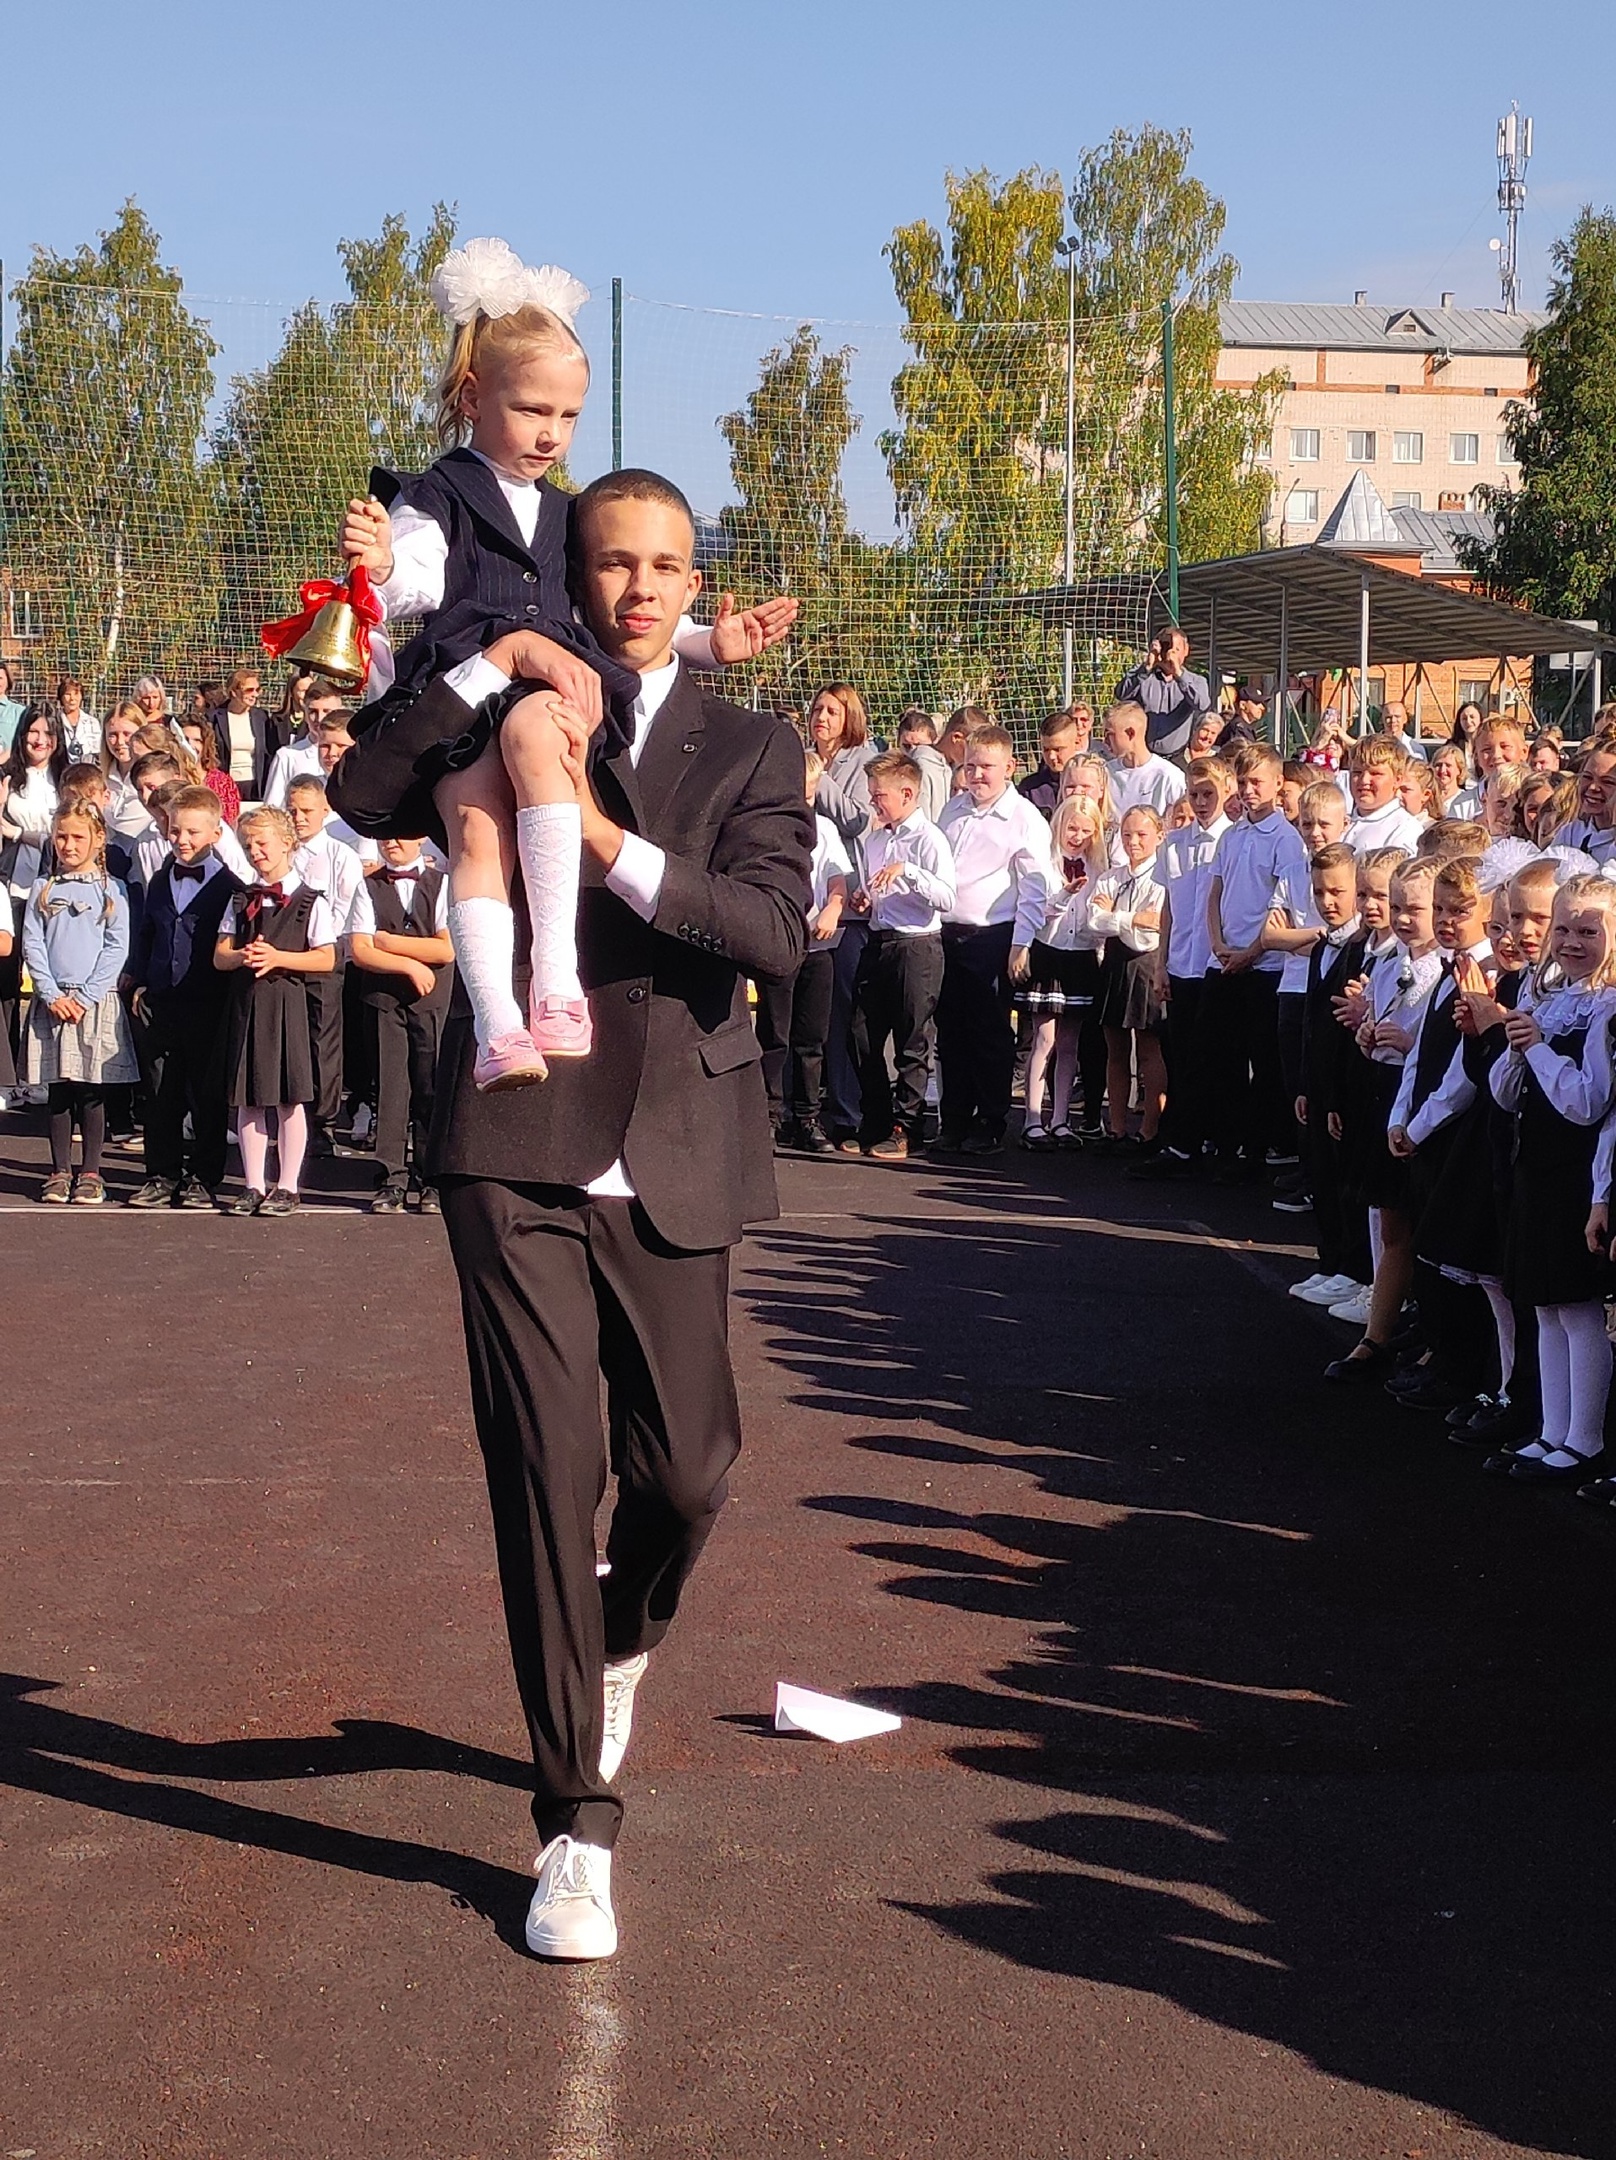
(571,1914)
(1353,1308)
(1325,1289)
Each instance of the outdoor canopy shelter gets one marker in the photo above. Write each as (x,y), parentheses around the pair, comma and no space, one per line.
(1300,610)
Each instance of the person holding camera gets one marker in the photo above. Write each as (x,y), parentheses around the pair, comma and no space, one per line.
(1172,697)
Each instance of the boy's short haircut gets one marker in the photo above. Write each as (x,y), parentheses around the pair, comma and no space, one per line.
(1497,724)
(78,778)
(165,797)
(1298,774)
(1453,839)
(267,814)
(153,761)
(191,798)
(1134,715)
(1371,752)
(1056,723)
(915,721)
(1414,867)
(1545,871)
(1208,768)
(1254,756)
(1458,875)
(895,765)
(1318,794)
(991,738)
(634,483)
(1334,855)
(306,783)
(323,691)
(813,766)
(969,717)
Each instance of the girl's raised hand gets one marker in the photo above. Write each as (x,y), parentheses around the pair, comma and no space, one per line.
(367,537)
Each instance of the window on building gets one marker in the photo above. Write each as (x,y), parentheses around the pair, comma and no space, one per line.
(1360,446)
(1304,445)
(1302,506)
(1408,447)
(1476,690)
(1408,499)
(1464,449)
(1506,451)
(21,620)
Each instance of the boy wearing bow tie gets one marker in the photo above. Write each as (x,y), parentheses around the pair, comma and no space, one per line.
(173,986)
(399,930)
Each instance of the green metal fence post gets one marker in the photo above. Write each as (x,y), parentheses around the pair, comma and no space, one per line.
(1170,444)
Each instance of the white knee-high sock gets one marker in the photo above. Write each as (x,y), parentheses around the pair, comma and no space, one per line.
(1590,1360)
(549,845)
(1554,1373)
(1504,1322)
(1377,1240)
(483,934)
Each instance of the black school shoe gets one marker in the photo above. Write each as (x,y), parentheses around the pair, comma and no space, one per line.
(156,1192)
(1493,1423)
(278,1201)
(1528,1471)
(247,1203)
(195,1196)
(427,1201)
(983,1140)
(810,1138)
(389,1199)
(1356,1371)
(1601,1493)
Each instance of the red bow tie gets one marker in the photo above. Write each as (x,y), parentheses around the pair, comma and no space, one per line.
(408,876)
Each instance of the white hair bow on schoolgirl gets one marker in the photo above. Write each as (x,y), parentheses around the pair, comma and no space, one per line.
(488,277)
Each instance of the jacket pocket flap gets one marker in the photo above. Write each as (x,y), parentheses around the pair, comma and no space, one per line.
(730,1047)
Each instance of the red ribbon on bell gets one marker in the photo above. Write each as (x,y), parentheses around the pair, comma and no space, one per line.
(342,652)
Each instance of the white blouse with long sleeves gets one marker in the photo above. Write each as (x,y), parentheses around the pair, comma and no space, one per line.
(1120,897)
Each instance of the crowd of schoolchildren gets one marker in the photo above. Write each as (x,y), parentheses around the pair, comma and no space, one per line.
(1383,974)
(211,954)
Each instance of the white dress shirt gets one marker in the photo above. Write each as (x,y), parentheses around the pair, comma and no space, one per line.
(636,876)
(149,853)
(322,928)
(1580,1091)
(1004,870)
(334,869)
(1293,898)
(1120,897)
(292,763)
(923,892)
(362,916)
(1389,826)
(1455,1091)
(1184,866)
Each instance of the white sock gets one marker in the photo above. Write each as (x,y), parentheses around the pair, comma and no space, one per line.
(483,934)
(1377,1242)
(1554,1373)
(549,844)
(1504,1322)
(1590,1363)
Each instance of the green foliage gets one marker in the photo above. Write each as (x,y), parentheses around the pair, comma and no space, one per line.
(1554,545)
(105,397)
(347,390)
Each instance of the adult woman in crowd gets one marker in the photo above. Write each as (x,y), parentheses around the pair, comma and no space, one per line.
(33,774)
(203,745)
(839,729)
(10,711)
(1450,776)
(126,813)
(151,697)
(289,712)
(1465,723)
(81,730)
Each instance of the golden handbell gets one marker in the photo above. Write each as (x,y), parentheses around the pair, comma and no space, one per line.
(330,646)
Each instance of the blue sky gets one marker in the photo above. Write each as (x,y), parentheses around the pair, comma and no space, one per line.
(756,157)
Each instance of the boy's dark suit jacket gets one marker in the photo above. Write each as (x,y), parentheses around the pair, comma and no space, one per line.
(673,1084)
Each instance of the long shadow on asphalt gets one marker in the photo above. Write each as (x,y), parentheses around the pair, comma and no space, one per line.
(1324,1713)
(47,1750)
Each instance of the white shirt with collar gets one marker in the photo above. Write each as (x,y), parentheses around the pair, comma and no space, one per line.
(185,888)
(1389,826)
(1004,870)
(1184,866)
(293,763)
(149,853)
(362,919)
(1455,1091)
(333,868)
(923,892)
(322,920)
(1253,857)
(636,876)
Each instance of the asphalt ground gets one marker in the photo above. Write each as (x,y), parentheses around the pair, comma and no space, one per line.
(1253,1799)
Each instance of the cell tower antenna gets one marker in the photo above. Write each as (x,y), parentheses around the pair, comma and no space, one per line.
(1514,153)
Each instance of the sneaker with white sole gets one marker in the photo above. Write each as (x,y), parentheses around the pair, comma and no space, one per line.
(1354,1307)
(571,1914)
(1328,1290)
(621,1681)
(1309,1283)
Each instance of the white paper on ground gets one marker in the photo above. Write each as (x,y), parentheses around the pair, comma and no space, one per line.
(799,1709)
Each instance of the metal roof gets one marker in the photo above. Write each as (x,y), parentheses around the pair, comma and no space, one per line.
(1309,325)
(1433,532)
(1361,520)
(1410,618)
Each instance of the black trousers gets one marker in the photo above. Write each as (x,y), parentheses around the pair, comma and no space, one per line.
(842,1109)
(976,1043)
(181,1063)
(558,1290)
(1241,1017)
(1188,1119)
(407,1039)
(325,1040)
(894,1001)
(1340,1219)
(793,1020)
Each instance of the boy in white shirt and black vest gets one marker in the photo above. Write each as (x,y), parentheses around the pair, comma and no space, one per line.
(399,931)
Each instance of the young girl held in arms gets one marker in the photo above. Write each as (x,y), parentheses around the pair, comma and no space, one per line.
(477,545)
(75,941)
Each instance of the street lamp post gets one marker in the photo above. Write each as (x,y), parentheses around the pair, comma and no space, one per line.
(1068,249)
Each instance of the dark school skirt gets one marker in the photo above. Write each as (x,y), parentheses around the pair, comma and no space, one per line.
(1378,1177)
(1059,981)
(1127,988)
(268,1054)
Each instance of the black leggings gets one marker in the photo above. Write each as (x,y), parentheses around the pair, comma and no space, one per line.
(70,1099)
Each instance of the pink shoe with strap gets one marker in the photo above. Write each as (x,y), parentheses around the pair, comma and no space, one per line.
(510,1061)
(561,1027)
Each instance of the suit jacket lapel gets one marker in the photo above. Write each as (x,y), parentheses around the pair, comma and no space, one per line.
(674,746)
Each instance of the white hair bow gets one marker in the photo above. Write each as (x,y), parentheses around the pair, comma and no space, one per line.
(488,277)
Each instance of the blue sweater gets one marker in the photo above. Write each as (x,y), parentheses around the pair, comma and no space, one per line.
(77,944)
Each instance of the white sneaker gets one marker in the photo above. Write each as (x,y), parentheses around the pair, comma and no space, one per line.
(1308,1283)
(621,1681)
(1354,1307)
(1329,1290)
(571,1914)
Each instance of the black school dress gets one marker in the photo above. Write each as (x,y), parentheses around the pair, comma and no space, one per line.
(1466,1221)
(1399,988)
(268,1055)
(1547,1261)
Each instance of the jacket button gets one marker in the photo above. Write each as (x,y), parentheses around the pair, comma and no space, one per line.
(530,577)
(689,749)
(530,610)
(637,995)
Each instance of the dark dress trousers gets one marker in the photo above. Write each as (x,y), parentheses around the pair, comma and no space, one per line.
(559,1289)
(171,959)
